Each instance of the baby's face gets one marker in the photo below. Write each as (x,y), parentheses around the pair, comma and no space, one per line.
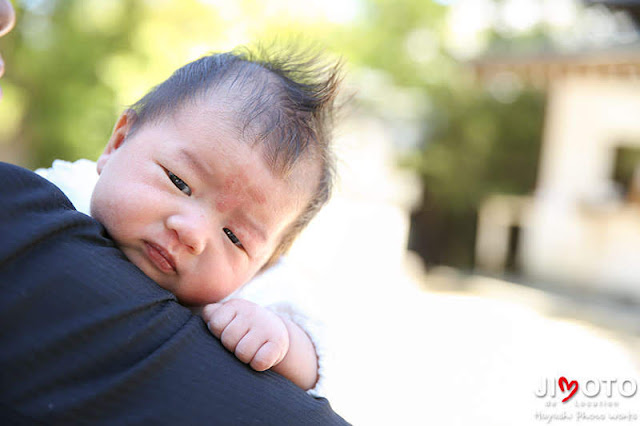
(195,209)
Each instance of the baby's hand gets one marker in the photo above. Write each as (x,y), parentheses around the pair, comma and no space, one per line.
(256,335)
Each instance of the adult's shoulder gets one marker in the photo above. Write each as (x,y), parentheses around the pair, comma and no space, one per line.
(87,338)
(32,209)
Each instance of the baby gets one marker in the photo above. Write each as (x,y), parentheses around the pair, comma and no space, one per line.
(207,180)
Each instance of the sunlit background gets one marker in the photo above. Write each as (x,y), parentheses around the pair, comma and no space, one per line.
(485,232)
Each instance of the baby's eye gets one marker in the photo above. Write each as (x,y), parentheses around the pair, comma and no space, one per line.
(179,183)
(233,237)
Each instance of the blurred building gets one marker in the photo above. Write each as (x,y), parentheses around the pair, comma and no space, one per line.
(582,225)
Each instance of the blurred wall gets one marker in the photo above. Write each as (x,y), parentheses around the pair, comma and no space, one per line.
(580,228)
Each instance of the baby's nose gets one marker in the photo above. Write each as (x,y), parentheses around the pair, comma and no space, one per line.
(191,231)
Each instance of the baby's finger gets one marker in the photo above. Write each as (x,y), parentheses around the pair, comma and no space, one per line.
(248,346)
(208,311)
(218,317)
(234,332)
(267,356)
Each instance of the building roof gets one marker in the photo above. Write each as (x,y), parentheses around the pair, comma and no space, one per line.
(632,7)
(540,68)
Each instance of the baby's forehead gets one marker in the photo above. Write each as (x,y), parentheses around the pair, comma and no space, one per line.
(239,166)
(250,126)
(258,110)
(298,185)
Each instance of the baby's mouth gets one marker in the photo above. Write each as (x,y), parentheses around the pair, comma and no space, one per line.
(161,258)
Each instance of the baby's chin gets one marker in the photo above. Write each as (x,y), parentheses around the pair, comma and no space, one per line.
(179,286)
(169,283)
(192,302)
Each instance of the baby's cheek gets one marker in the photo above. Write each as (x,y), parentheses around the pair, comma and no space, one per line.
(116,216)
(225,281)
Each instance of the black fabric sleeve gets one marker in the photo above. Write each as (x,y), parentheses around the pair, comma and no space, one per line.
(87,338)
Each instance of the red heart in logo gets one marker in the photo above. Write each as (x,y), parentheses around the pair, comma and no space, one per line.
(562,382)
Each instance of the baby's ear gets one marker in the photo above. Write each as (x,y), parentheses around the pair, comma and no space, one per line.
(118,136)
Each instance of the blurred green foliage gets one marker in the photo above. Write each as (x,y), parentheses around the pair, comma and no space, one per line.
(54,60)
(478,146)
(74,65)
(472,142)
